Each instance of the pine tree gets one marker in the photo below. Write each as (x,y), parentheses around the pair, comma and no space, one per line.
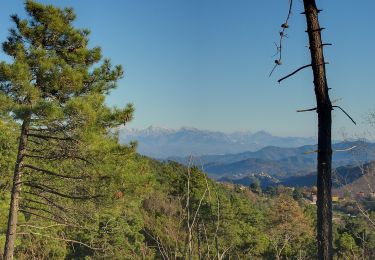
(55,91)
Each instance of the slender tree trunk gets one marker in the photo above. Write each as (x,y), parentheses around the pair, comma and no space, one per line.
(217,248)
(324,109)
(15,196)
(199,240)
(190,245)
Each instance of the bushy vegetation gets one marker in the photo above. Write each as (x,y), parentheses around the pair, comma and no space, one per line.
(148,213)
(145,214)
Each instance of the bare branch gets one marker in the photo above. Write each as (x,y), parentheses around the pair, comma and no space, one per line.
(285,26)
(317,30)
(294,72)
(346,150)
(306,110)
(308,152)
(318,10)
(198,208)
(346,114)
(158,243)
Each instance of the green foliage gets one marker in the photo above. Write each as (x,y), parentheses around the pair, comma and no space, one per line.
(255,187)
(290,229)
(143,215)
(346,245)
(354,238)
(55,87)
(270,190)
(298,194)
(8,144)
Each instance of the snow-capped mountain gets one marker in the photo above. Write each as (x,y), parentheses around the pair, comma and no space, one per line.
(162,143)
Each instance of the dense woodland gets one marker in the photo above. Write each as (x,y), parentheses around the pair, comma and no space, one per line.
(85,196)
(146,212)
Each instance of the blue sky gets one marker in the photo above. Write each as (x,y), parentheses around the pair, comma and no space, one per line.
(205,63)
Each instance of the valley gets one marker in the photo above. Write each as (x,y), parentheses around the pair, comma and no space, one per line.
(269,160)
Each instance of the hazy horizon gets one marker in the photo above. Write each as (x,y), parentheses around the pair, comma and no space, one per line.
(338,135)
(205,64)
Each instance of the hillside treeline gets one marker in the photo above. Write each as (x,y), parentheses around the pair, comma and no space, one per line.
(145,209)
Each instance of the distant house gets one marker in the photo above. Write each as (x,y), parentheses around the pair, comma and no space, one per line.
(313,198)
(306,193)
(290,188)
(242,187)
(360,195)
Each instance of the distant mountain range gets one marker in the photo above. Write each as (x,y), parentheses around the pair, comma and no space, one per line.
(243,157)
(162,143)
(278,161)
(352,179)
(286,166)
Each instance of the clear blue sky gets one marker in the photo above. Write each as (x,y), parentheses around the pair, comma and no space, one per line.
(205,63)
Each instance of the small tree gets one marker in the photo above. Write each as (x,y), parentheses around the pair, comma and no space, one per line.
(52,89)
(298,194)
(287,224)
(255,187)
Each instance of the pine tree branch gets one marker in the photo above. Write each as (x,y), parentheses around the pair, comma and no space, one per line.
(43,227)
(65,210)
(50,190)
(40,216)
(22,206)
(64,239)
(53,173)
(48,200)
(48,137)
(35,142)
(59,157)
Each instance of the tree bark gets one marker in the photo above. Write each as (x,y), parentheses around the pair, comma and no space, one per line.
(324,109)
(16,192)
(199,240)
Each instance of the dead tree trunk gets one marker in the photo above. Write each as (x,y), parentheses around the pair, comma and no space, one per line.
(324,109)
(15,196)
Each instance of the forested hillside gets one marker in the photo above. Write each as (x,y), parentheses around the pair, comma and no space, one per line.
(153,210)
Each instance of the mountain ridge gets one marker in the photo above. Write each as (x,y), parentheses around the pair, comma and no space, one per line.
(162,143)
